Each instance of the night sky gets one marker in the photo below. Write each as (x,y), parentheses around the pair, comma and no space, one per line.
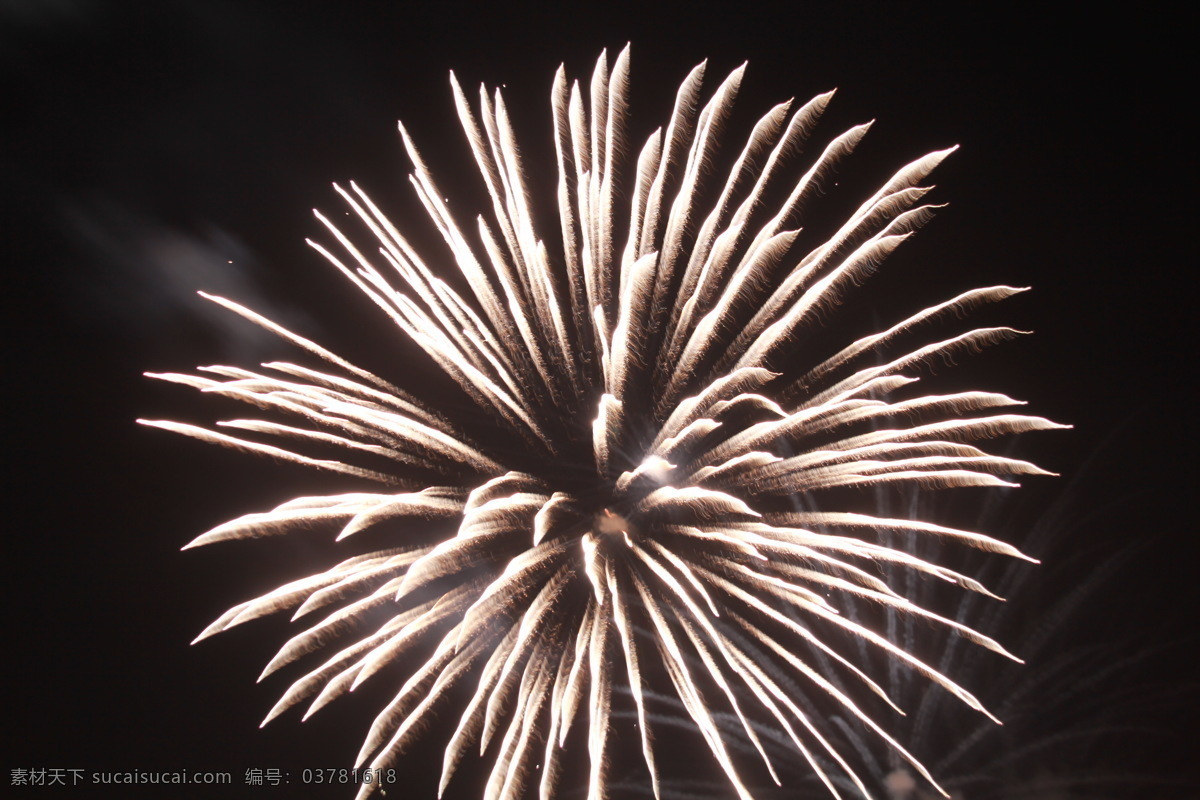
(151,150)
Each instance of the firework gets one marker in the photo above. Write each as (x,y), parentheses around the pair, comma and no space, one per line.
(641,475)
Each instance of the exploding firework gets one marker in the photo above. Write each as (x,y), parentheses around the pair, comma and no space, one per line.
(643,495)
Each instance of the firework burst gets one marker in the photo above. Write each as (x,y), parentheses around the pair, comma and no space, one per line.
(641,491)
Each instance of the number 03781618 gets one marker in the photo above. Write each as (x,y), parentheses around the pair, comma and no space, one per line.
(347,776)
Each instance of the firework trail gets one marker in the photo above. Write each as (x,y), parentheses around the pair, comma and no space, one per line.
(1055,713)
(637,493)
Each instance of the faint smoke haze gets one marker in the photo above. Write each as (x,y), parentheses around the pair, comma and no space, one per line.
(143,274)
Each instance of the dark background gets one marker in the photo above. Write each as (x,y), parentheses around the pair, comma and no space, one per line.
(152,150)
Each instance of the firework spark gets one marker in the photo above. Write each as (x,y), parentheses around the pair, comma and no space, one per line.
(638,493)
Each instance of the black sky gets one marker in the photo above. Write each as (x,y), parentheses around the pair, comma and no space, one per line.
(153,150)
